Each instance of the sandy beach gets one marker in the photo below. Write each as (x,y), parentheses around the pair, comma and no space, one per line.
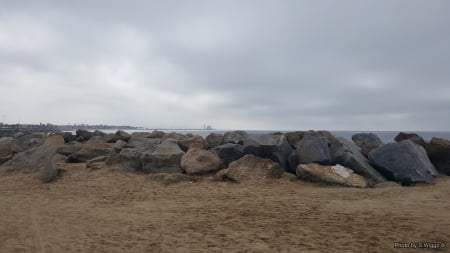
(113,211)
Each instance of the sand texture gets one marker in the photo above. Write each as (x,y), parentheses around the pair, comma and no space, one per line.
(112,211)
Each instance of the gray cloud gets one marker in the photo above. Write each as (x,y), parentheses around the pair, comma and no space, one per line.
(347,65)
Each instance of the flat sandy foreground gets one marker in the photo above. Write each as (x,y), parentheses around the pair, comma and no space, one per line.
(112,211)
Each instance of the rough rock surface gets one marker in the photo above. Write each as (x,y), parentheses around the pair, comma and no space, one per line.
(313,148)
(119,135)
(346,153)
(200,161)
(54,140)
(31,160)
(236,137)
(367,142)
(25,142)
(213,140)
(89,150)
(404,162)
(410,136)
(49,172)
(294,137)
(165,158)
(250,168)
(274,147)
(439,153)
(229,153)
(331,175)
(192,142)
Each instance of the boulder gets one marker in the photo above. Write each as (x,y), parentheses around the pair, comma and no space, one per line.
(144,143)
(336,175)
(96,163)
(346,153)
(439,153)
(294,137)
(367,142)
(119,135)
(5,152)
(89,150)
(25,142)
(173,135)
(313,148)
(404,162)
(120,144)
(192,142)
(213,140)
(49,172)
(410,136)
(200,161)
(128,158)
(165,158)
(170,178)
(69,137)
(274,147)
(250,168)
(156,134)
(236,137)
(229,153)
(69,148)
(31,160)
(6,140)
(140,135)
(83,135)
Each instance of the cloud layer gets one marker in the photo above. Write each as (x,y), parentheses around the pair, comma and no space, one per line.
(346,65)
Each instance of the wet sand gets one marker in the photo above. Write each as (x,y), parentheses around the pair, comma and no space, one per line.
(112,211)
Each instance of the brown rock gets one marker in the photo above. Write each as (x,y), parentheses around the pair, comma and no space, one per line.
(331,175)
(439,152)
(54,140)
(90,150)
(199,161)
(192,142)
(213,140)
(250,168)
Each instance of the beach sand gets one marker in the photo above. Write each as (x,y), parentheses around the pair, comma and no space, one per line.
(113,211)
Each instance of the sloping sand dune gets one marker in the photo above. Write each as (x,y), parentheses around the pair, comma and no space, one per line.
(111,211)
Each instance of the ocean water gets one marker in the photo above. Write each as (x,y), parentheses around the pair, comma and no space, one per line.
(385,136)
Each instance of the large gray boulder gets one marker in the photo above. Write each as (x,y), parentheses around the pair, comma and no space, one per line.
(439,153)
(165,158)
(128,155)
(236,137)
(313,148)
(25,142)
(367,142)
(251,168)
(294,137)
(49,172)
(404,162)
(346,153)
(200,161)
(229,153)
(274,147)
(336,175)
(89,150)
(31,160)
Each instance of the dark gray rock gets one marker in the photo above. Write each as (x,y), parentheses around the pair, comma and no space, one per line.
(69,137)
(367,142)
(313,148)
(213,140)
(83,135)
(404,162)
(346,153)
(69,148)
(129,159)
(236,137)
(439,153)
(274,147)
(410,136)
(156,134)
(229,153)
(165,158)
(144,143)
(28,141)
(173,135)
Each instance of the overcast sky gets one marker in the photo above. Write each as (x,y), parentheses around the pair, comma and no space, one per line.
(336,65)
